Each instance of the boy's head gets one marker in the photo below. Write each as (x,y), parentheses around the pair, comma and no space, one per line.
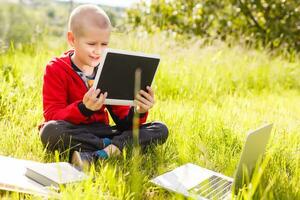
(89,32)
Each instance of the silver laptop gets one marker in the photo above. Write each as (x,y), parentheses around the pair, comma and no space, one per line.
(200,183)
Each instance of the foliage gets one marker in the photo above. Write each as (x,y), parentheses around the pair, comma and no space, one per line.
(24,24)
(273,23)
(18,25)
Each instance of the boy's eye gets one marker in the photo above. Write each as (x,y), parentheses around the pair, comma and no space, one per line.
(91,43)
(104,44)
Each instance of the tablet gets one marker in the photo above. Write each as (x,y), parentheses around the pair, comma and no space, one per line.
(116,74)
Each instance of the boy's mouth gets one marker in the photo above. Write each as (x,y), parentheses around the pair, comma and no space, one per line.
(95,58)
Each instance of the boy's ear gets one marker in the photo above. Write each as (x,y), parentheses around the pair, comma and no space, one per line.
(71,38)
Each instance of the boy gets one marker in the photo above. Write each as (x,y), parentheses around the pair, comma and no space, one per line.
(75,119)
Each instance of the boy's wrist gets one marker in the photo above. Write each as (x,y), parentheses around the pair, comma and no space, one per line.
(84,110)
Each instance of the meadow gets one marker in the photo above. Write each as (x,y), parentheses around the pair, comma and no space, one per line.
(209,96)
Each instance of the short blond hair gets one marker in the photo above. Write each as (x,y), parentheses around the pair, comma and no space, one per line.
(85,16)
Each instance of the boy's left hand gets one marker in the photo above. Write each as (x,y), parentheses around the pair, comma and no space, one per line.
(144,100)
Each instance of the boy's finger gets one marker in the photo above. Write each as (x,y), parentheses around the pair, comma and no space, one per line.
(95,93)
(146,95)
(144,106)
(150,90)
(105,95)
(91,90)
(88,93)
(102,98)
(141,99)
(98,102)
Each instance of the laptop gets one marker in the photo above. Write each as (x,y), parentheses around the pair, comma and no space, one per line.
(200,183)
(117,71)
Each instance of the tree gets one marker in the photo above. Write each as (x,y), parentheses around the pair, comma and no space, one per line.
(275,23)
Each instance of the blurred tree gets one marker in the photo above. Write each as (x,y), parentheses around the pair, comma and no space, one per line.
(271,22)
(275,22)
(18,25)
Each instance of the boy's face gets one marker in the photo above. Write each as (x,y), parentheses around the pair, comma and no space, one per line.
(89,46)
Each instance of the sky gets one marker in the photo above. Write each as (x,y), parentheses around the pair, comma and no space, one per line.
(114,3)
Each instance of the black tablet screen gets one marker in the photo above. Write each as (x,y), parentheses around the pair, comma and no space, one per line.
(118,74)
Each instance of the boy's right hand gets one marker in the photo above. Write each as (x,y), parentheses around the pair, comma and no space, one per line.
(91,101)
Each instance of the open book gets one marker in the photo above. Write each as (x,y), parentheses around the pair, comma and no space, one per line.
(54,174)
(13,178)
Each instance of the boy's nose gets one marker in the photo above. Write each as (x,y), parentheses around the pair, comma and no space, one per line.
(99,50)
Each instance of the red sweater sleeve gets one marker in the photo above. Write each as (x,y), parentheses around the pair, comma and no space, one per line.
(55,98)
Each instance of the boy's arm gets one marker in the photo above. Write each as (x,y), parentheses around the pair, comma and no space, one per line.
(123,116)
(55,102)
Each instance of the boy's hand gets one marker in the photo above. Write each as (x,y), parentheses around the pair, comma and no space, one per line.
(144,100)
(91,101)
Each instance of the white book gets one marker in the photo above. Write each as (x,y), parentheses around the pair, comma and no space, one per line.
(54,174)
(13,178)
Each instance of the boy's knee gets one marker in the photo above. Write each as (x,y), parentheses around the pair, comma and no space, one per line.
(163,130)
(51,130)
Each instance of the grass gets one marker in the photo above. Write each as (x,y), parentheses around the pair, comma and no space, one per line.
(209,96)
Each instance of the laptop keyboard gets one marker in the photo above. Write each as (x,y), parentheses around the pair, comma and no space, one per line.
(214,187)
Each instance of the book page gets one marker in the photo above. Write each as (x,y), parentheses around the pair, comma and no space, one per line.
(12,177)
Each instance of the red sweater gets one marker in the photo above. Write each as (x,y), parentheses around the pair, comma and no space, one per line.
(63,90)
